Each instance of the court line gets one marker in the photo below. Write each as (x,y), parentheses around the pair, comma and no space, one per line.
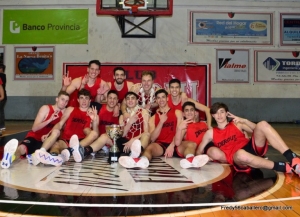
(148,205)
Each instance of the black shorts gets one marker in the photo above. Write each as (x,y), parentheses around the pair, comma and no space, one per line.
(120,143)
(175,152)
(31,144)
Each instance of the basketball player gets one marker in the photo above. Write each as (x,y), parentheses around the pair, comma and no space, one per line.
(76,120)
(90,82)
(120,84)
(46,118)
(176,100)
(135,134)
(231,145)
(145,91)
(162,127)
(189,131)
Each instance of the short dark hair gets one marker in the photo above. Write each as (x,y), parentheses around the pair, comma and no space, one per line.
(84,92)
(3,67)
(113,92)
(119,68)
(161,91)
(62,92)
(216,106)
(144,73)
(97,62)
(131,93)
(174,80)
(188,103)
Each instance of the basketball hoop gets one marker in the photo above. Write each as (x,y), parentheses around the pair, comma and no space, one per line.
(134,5)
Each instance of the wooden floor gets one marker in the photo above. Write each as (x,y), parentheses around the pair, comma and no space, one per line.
(276,199)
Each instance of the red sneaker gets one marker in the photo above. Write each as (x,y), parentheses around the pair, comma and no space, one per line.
(296,165)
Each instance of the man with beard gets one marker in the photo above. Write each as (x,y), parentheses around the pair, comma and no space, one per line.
(91,82)
(120,84)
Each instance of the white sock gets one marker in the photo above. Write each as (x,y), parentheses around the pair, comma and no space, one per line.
(189,155)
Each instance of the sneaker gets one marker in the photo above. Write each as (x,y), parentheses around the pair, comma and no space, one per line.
(135,148)
(296,165)
(9,151)
(46,158)
(129,162)
(32,159)
(2,129)
(288,168)
(197,161)
(65,155)
(77,149)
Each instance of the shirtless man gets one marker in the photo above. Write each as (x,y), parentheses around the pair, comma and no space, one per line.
(162,127)
(145,91)
(46,118)
(120,84)
(135,135)
(231,146)
(90,82)
(75,123)
(175,100)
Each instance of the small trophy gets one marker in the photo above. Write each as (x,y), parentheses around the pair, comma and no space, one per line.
(114,132)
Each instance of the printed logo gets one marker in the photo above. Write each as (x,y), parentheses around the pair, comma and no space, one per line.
(224,63)
(14,27)
(271,64)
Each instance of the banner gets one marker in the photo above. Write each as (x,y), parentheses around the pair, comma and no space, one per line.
(195,79)
(54,26)
(34,63)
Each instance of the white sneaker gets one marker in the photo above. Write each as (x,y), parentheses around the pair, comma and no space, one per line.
(32,159)
(135,148)
(78,150)
(65,155)
(197,161)
(9,151)
(129,162)
(46,158)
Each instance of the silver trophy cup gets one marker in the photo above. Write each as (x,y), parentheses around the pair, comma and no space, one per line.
(114,132)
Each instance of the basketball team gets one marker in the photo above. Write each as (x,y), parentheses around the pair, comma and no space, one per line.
(155,122)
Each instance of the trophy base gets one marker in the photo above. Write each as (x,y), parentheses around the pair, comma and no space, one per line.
(113,157)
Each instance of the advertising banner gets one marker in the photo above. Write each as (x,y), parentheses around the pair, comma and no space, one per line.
(232,66)
(290,29)
(277,66)
(53,26)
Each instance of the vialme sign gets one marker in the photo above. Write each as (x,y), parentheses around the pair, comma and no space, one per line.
(54,26)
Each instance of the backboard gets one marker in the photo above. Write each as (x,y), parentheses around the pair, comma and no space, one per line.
(134,7)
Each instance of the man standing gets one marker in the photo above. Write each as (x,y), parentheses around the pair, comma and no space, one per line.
(75,121)
(46,118)
(91,82)
(3,97)
(162,127)
(135,135)
(231,146)
(176,100)
(120,84)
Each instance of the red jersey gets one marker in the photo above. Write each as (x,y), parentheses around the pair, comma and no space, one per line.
(137,127)
(93,90)
(171,105)
(122,92)
(168,129)
(195,132)
(46,129)
(1,81)
(106,118)
(76,123)
(229,140)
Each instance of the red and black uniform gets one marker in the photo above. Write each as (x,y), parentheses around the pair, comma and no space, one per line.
(229,140)
(106,118)
(122,92)
(195,132)
(172,106)
(33,140)
(76,123)
(93,90)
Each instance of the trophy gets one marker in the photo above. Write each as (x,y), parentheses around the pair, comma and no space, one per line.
(114,132)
